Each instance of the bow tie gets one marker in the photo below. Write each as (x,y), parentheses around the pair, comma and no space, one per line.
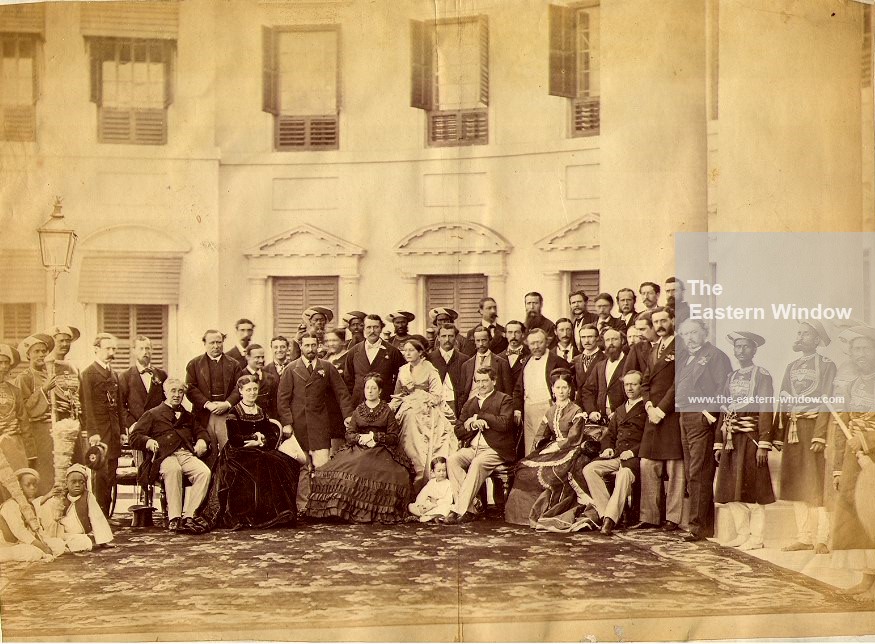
(147,370)
(514,352)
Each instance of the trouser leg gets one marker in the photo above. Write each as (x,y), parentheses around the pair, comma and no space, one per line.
(757,521)
(804,518)
(594,474)
(457,465)
(198,475)
(674,495)
(480,468)
(698,442)
(622,489)
(171,472)
(651,480)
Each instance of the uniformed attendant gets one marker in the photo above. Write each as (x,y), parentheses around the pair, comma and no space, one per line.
(316,318)
(36,385)
(400,320)
(66,390)
(355,324)
(14,423)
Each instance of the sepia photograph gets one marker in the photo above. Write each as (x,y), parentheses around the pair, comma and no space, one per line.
(437,320)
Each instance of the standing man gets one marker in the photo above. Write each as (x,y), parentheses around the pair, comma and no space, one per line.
(674,297)
(603,391)
(355,323)
(486,434)
(565,347)
(662,452)
(604,303)
(640,352)
(532,394)
(801,435)
(488,308)
(400,320)
(372,355)
(279,346)
(626,306)
(103,415)
(517,350)
(485,359)
(211,382)
(244,329)
(316,318)
(448,361)
(14,423)
(534,302)
(649,292)
(702,373)
(36,384)
(583,364)
(441,315)
(579,315)
(267,382)
(141,385)
(66,390)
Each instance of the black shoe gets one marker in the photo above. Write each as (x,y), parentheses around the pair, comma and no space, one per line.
(173,526)
(643,525)
(692,536)
(669,526)
(452,518)
(608,527)
(468,517)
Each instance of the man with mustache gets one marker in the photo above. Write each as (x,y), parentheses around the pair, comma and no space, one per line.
(603,390)
(534,302)
(355,324)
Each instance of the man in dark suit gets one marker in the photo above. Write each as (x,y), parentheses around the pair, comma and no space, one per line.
(244,329)
(142,385)
(282,358)
(267,381)
(579,315)
(702,372)
(604,303)
(488,308)
(372,355)
(626,306)
(566,347)
(172,446)
(211,381)
(661,450)
(102,415)
(603,393)
(532,393)
(448,361)
(487,438)
(355,324)
(649,292)
(620,445)
(517,350)
(534,302)
(674,297)
(584,363)
(639,353)
(482,359)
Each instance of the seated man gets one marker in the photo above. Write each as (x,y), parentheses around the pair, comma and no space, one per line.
(165,435)
(18,540)
(619,455)
(76,518)
(486,434)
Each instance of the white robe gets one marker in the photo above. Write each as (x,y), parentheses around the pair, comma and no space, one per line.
(67,526)
(22,549)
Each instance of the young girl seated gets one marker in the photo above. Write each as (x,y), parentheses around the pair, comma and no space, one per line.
(19,542)
(435,500)
(76,518)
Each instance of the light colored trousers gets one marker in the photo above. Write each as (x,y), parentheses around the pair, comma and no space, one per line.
(469,468)
(609,506)
(533,413)
(651,480)
(806,518)
(173,468)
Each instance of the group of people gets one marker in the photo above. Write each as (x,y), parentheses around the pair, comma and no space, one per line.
(595,421)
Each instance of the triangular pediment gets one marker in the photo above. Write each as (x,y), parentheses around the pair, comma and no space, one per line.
(453,238)
(305,241)
(578,235)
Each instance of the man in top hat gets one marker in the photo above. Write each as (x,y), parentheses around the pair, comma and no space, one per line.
(400,320)
(488,309)
(355,324)
(441,315)
(14,423)
(36,384)
(372,355)
(141,385)
(244,329)
(66,389)
(801,434)
(103,415)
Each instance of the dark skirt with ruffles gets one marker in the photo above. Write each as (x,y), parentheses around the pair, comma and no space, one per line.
(362,485)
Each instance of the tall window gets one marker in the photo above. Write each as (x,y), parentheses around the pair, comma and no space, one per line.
(127,321)
(450,79)
(294,295)
(132,84)
(18,87)
(302,86)
(575,63)
(461,293)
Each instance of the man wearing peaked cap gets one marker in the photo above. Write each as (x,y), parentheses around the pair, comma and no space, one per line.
(36,384)
(13,418)
(66,388)
(316,318)
(400,320)
(355,322)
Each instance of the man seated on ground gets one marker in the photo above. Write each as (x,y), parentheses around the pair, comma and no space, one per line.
(486,434)
(619,455)
(172,448)
(18,541)
(76,518)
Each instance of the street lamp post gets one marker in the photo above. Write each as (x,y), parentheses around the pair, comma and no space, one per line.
(56,243)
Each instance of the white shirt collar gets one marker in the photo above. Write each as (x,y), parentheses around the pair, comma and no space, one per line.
(447,355)
(103,364)
(632,403)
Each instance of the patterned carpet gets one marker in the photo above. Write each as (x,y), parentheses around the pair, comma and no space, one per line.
(328,575)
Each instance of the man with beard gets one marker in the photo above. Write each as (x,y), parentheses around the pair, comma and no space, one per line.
(355,324)
(801,435)
(702,373)
(583,364)
(604,302)
(639,353)
(483,358)
(579,315)
(603,391)
(565,347)
(626,306)
(374,355)
(488,309)
(674,297)
(103,415)
(400,320)
(36,384)
(279,346)
(633,335)
(534,302)
(267,383)
(516,351)
(66,390)
(448,361)
(141,386)
(649,292)
(244,329)
(662,453)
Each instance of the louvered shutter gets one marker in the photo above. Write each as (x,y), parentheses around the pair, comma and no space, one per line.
(116,319)
(136,279)
(563,54)
(461,293)
(18,323)
(130,19)
(126,322)
(269,73)
(588,282)
(484,59)
(151,320)
(23,18)
(292,295)
(421,65)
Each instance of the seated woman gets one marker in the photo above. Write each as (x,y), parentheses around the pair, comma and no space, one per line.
(369,479)
(253,484)
(549,481)
(418,402)
(75,518)
(21,538)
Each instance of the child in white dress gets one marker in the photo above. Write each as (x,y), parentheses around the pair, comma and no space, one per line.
(435,500)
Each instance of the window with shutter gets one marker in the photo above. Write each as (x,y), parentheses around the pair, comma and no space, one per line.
(17,322)
(450,79)
(132,84)
(301,86)
(18,86)
(293,295)
(461,293)
(574,63)
(127,321)
(588,282)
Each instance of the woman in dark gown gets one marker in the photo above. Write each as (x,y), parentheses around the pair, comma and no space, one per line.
(253,484)
(370,479)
